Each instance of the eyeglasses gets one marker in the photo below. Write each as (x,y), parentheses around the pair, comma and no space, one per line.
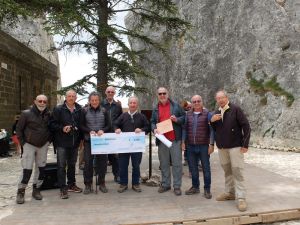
(162,93)
(197,101)
(110,92)
(42,101)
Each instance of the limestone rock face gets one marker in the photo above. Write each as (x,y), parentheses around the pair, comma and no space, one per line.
(249,48)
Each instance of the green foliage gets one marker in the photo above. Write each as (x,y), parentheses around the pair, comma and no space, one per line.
(261,87)
(90,25)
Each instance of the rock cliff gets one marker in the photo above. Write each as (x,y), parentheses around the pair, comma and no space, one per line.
(250,48)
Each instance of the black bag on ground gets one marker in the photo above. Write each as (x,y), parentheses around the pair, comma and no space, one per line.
(50,181)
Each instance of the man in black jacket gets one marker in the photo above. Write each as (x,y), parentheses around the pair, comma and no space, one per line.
(131,121)
(114,110)
(34,135)
(65,126)
(232,138)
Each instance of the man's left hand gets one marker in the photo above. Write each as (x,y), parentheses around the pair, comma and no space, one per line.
(244,150)
(138,130)
(210,149)
(173,118)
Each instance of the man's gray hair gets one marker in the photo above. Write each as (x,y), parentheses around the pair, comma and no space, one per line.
(133,97)
(94,93)
(221,91)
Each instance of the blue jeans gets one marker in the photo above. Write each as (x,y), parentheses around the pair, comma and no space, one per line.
(196,153)
(136,159)
(66,160)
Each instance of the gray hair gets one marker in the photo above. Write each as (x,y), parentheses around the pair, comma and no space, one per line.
(133,97)
(94,93)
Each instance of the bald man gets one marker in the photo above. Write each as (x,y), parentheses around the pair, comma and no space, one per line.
(67,136)
(34,135)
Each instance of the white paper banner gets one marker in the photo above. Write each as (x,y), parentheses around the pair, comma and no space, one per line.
(110,143)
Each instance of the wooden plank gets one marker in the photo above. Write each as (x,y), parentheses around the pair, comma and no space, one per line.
(280,216)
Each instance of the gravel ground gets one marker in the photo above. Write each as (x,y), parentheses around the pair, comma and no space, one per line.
(283,163)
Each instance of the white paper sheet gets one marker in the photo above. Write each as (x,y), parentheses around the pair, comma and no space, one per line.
(164,140)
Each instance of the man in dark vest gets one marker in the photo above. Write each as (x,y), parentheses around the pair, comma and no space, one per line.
(94,121)
(199,136)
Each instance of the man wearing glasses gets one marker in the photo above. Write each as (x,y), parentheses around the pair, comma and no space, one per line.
(164,110)
(199,136)
(65,126)
(114,110)
(34,135)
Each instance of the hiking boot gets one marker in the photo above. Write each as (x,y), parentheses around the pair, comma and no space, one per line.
(177,191)
(192,191)
(162,189)
(20,196)
(103,188)
(74,188)
(207,194)
(122,188)
(36,193)
(88,189)
(225,197)
(242,205)
(136,188)
(64,194)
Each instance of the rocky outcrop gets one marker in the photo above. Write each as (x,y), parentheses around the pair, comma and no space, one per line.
(249,48)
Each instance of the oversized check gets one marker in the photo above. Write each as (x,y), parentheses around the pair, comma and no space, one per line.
(118,143)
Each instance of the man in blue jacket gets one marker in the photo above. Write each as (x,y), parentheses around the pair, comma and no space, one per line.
(168,109)
(65,126)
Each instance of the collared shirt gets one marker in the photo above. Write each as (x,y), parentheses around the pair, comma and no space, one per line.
(224,109)
(131,114)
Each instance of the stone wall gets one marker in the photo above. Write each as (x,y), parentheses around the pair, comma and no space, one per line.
(251,48)
(23,75)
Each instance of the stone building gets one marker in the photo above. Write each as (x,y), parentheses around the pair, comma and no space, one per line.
(23,75)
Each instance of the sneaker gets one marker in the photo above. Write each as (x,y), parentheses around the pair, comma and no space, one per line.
(163,189)
(225,197)
(74,188)
(185,163)
(103,188)
(242,205)
(20,196)
(177,191)
(207,194)
(81,167)
(122,188)
(136,188)
(88,189)
(192,191)
(64,194)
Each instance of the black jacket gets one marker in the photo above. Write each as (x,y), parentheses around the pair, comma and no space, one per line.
(62,117)
(234,130)
(126,124)
(114,110)
(33,127)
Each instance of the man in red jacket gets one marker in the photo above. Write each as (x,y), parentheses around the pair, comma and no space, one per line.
(232,138)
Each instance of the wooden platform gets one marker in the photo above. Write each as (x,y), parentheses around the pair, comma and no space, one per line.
(270,198)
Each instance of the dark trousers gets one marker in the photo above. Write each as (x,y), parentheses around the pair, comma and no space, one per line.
(66,162)
(91,161)
(136,159)
(196,153)
(114,161)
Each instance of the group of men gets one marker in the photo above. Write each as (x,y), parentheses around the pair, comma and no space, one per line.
(196,130)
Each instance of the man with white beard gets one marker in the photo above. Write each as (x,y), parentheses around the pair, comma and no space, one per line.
(34,135)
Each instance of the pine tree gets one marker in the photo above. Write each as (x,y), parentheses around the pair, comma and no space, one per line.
(89,24)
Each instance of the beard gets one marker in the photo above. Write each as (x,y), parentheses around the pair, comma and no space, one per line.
(41,108)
